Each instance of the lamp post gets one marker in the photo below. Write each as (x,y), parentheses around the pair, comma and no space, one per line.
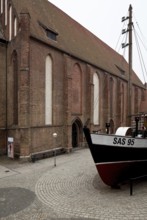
(55,137)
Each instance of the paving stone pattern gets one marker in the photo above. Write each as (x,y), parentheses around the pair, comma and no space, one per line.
(72,190)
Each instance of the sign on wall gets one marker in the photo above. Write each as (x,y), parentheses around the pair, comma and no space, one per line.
(10,147)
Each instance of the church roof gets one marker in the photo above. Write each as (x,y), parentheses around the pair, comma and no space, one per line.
(72,38)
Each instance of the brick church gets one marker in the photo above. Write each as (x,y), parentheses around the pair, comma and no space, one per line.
(55,74)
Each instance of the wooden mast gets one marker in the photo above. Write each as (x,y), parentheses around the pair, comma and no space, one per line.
(129,95)
(130,24)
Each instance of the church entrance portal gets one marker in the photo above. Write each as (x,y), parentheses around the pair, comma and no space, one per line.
(77,133)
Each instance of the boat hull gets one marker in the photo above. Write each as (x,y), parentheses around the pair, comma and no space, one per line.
(114,174)
(117,159)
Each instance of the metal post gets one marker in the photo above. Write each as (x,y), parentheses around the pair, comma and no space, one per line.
(131,187)
(55,136)
(55,158)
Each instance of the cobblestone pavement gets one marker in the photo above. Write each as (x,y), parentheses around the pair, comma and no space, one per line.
(72,190)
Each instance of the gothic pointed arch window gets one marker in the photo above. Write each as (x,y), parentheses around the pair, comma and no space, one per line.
(6,8)
(15,87)
(111,96)
(76,89)
(122,103)
(15,26)
(96,99)
(136,96)
(48,90)
(10,23)
(1,6)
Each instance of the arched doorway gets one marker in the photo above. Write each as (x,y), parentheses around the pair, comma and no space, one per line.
(77,133)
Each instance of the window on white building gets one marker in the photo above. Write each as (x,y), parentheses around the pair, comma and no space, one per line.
(96,99)
(48,91)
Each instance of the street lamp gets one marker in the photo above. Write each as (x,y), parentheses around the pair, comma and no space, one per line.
(55,137)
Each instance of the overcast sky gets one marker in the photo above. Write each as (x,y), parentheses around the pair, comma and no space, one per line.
(103,18)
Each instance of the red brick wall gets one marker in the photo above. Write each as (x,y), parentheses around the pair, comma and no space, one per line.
(3,114)
(72,94)
(2,85)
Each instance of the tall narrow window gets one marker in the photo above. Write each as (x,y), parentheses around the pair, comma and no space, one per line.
(15,26)
(111,97)
(48,91)
(6,12)
(136,100)
(96,99)
(15,88)
(1,6)
(76,89)
(10,23)
(122,103)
